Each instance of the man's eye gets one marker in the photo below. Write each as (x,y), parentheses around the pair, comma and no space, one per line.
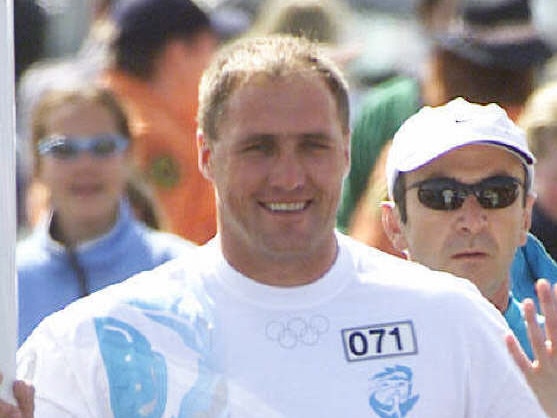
(316,145)
(259,147)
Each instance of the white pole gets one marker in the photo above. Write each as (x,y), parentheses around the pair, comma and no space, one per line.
(8,305)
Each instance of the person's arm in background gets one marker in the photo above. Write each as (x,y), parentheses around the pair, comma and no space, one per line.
(24,395)
(541,373)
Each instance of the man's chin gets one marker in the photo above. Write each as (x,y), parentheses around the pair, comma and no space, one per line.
(286,249)
(473,271)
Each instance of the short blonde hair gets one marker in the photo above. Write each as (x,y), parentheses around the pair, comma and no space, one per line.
(273,56)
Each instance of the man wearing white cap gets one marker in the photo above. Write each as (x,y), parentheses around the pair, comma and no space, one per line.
(460,176)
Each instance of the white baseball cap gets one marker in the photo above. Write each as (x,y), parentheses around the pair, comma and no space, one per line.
(434,131)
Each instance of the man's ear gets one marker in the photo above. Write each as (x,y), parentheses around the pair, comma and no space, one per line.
(204,156)
(393,226)
(527,218)
(347,144)
(346,152)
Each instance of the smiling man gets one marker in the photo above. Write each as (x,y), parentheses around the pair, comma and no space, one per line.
(279,315)
(277,176)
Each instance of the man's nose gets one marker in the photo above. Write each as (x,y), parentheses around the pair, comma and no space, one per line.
(472,217)
(288,172)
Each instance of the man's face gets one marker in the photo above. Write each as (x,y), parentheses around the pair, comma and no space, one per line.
(471,241)
(278,166)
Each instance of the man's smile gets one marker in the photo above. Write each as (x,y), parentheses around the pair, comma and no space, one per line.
(286,206)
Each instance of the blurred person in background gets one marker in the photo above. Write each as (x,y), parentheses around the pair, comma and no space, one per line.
(158,52)
(50,32)
(539,120)
(321,21)
(540,123)
(317,20)
(312,19)
(366,225)
(90,236)
(491,53)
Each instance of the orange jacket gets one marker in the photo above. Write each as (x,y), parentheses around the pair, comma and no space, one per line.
(164,149)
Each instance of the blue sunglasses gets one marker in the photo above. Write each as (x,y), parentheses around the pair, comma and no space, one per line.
(65,147)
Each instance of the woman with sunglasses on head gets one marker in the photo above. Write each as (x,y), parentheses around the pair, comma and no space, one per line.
(90,236)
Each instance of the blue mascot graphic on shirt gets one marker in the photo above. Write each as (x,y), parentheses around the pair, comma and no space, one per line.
(391,395)
(137,374)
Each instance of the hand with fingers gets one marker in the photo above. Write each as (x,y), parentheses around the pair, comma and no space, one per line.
(24,395)
(541,373)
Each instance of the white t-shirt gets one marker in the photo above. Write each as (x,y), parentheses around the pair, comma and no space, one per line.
(376,336)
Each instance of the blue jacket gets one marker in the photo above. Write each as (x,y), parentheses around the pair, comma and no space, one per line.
(47,281)
(531,262)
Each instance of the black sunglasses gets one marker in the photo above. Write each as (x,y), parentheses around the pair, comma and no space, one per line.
(66,148)
(443,193)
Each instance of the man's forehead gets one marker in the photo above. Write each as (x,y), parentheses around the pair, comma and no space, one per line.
(280,96)
(264,80)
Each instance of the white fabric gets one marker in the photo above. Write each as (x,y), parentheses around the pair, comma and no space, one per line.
(249,350)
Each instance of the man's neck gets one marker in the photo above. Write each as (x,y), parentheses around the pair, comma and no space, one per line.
(500,298)
(281,270)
